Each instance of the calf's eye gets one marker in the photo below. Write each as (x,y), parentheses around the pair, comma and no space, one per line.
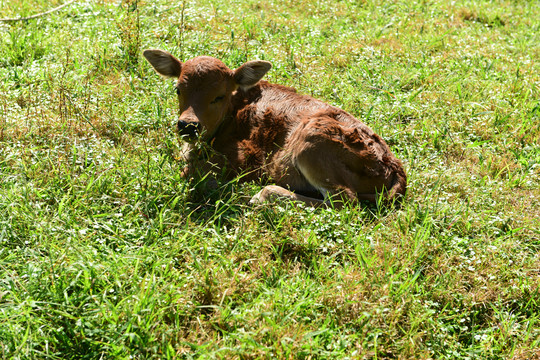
(217,99)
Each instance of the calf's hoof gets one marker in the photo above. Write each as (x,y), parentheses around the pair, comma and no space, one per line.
(258,198)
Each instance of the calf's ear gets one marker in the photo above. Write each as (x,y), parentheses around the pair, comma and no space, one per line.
(163,62)
(250,73)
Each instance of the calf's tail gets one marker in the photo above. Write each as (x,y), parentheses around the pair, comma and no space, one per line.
(398,187)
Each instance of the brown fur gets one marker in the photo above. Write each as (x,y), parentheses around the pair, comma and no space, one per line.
(271,132)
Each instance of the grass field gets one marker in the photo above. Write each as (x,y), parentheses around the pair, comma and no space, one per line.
(107,253)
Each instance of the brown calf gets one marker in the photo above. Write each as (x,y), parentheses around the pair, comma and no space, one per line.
(269,131)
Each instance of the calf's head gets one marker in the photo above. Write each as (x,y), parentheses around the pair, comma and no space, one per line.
(204,87)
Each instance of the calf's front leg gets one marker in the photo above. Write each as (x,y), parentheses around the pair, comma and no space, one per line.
(272,193)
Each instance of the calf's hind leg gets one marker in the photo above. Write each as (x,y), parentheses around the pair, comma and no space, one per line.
(343,161)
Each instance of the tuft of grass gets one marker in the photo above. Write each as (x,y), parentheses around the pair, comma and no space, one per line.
(107,252)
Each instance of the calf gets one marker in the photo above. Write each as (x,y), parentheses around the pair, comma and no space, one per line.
(267,131)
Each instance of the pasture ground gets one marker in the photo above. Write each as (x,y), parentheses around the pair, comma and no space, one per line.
(107,253)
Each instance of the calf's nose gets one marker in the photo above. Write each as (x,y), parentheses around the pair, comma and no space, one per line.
(190,129)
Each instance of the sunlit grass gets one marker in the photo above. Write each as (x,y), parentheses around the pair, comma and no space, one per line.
(106,252)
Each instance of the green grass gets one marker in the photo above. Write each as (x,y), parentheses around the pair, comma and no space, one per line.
(106,252)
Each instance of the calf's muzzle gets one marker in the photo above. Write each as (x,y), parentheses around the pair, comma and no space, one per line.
(190,129)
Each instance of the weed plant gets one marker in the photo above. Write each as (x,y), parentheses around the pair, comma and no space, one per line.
(107,253)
